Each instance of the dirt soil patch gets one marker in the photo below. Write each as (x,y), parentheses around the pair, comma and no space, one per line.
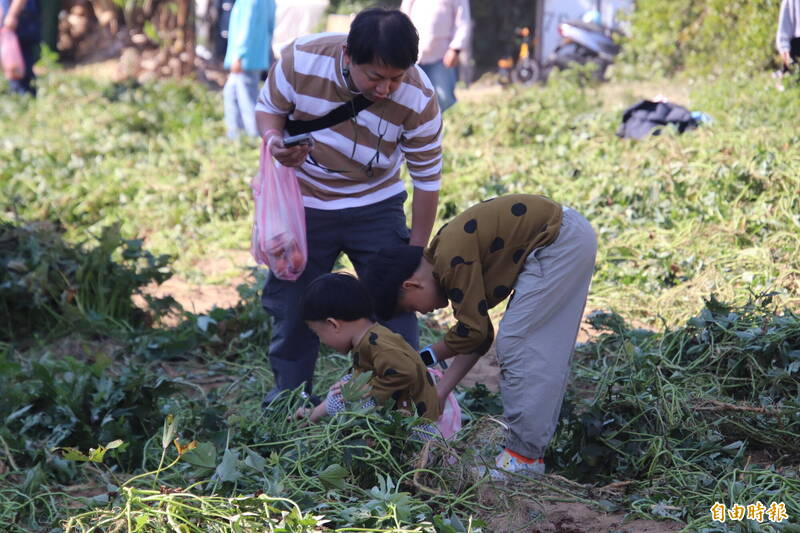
(520,514)
(200,298)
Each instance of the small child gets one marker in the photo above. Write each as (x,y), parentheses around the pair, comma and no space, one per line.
(337,308)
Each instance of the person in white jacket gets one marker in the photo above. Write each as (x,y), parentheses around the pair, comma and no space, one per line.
(444,28)
(787,40)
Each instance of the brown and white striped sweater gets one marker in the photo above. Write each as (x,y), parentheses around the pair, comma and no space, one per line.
(307,83)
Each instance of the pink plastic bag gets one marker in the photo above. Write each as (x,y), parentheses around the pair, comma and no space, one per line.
(279,228)
(11,55)
(450,421)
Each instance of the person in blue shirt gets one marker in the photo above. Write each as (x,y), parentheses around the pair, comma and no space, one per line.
(24,17)
(249,42)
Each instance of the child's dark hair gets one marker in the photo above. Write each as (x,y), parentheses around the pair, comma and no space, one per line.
(386,271)
(339,296)
(387,35)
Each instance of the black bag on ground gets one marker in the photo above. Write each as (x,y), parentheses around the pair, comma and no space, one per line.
(645,117)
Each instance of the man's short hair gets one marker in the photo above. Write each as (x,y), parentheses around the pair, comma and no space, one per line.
(339,296)
(386,271)
(385,35)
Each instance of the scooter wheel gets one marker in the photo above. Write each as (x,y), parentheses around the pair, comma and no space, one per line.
(526,72)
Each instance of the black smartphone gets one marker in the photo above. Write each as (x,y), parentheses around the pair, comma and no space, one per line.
(295,140)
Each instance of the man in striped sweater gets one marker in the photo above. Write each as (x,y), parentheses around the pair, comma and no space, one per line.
(350,175)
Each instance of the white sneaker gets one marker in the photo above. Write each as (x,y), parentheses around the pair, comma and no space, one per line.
(514,463)
(506,462)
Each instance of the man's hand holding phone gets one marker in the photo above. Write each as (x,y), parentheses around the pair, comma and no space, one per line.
(289,151)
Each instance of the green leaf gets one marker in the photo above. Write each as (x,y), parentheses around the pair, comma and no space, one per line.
(95,455)
(114,444)
(170,429)
(34,478)
(18,413)
(204,456)
(333,476)
(608,506)
(254,460)
(228,469)
(448,525)
(355,389)
(17,265)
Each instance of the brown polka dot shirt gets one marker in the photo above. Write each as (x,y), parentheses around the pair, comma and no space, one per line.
(478,255)
(397,372)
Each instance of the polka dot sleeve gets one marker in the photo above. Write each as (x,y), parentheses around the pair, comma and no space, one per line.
(392,373)
(473,331)
(462,278)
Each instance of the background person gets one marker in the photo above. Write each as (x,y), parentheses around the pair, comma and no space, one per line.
(520,243)
(444,28)
(248,54)
(350,178)
(24,17)
(787,40)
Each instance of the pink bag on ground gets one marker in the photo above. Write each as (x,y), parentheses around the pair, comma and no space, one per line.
(279,228)
(450,421)
(11,55)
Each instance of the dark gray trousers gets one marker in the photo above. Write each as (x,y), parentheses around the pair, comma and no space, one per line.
(357,232)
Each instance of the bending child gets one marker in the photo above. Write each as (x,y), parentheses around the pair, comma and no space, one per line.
(337,308)
(521,243)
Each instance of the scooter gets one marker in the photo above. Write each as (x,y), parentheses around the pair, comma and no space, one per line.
(584,41)
(521,67)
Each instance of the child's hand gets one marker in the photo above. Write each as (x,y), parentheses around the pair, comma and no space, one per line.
(310,415)
(336,388)
(304,414)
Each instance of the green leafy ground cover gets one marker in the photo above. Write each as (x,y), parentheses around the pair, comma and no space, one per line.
(699,406)
(671,36)
(680,216)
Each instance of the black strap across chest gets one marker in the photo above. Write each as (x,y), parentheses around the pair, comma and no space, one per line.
(344,112)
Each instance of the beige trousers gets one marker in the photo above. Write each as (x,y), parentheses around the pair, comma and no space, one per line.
(537,334)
